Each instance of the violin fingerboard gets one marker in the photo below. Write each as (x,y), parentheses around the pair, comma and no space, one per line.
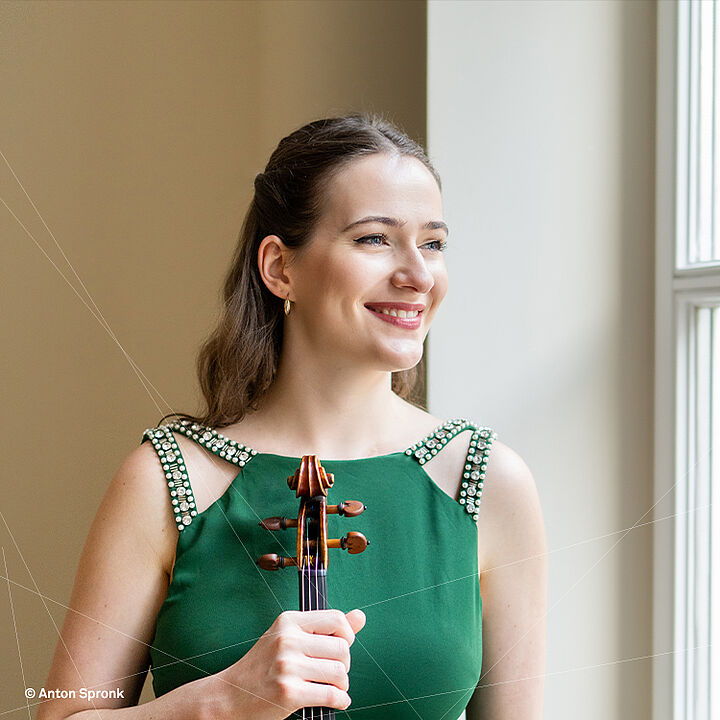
(313,589)
(313,596)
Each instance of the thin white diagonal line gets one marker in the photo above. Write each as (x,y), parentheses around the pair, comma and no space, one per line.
(120,632)
(252,640)
(587,572)
(17,638)
(107,328)
(57,244)
(501,682)
(542,675)
(47,610)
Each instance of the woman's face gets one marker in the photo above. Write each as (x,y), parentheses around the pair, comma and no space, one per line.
(349,267)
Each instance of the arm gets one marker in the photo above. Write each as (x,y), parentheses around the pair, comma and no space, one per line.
(513,587)
(121,582)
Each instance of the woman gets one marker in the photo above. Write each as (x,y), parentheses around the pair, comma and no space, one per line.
(336,279)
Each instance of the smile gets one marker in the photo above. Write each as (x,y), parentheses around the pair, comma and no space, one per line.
(409,319)
(398,313)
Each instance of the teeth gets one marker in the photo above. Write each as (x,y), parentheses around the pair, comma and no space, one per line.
(398,313)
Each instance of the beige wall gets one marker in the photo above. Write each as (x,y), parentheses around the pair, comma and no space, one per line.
(541,123)
(137,129)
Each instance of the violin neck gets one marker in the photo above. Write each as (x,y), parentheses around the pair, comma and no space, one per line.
(313,596)
(313,589)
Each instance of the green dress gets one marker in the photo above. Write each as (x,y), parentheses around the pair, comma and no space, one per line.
(420,652)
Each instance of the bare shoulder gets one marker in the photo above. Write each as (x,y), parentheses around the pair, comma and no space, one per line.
(120,584)
(510,521)
(513,587)
(139,483)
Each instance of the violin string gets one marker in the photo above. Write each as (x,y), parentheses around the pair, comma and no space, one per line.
(307,569)
(318,606)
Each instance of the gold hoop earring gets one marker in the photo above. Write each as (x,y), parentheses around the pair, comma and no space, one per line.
(287,306)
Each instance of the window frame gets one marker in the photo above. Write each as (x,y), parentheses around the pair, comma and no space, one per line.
(682,289)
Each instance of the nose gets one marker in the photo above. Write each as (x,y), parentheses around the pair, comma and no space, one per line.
(412,271)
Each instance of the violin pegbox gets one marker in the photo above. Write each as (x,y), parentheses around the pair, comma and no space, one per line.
(311,483)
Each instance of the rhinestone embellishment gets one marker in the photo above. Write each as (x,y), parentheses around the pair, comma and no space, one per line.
(475,461)
(183,501)
(176,475)
(171,459)
(215,442)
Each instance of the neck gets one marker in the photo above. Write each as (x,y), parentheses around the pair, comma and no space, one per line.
(329,410)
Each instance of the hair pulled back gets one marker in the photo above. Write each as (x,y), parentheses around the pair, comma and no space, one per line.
(237,363)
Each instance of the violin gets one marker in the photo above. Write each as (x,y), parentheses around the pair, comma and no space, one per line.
(311,484)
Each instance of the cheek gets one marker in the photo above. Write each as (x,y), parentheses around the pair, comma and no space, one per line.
(346,279)
(441,284)
(335,284)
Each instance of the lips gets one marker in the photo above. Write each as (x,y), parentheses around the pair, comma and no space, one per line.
(407,323)
(395,306)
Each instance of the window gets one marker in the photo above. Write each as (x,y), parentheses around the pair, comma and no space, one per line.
(687,379)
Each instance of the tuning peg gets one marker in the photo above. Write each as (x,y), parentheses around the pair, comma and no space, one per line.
(274,562)
(353,542)
(350,508)
(278,523)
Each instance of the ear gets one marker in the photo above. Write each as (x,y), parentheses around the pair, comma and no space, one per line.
(273,258)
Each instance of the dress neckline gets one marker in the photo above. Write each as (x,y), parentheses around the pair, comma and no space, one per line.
(238,454)
(330,460)
(173,463)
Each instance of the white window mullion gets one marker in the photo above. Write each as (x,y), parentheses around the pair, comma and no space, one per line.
(705,104)
(715,134)
(700,509)
(715,513)
(695,533)
(683,519)
(693,137)
(689,550)
(683,143)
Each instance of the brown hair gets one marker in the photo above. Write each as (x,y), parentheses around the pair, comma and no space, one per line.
(238,361)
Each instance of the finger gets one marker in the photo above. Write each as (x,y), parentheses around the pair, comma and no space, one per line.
(330,672)
(321,695)
(327,647)
(325,622)
(357,620)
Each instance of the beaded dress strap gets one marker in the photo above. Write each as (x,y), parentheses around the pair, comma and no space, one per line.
(230,450)
(475,460)
(173,465)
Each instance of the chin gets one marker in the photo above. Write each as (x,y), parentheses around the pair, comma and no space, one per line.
(398,362)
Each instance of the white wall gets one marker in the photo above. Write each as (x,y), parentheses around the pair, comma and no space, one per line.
(541,124)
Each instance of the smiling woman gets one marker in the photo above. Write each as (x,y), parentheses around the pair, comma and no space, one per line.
(334,284)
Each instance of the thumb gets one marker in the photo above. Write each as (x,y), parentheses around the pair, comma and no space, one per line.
(357,619)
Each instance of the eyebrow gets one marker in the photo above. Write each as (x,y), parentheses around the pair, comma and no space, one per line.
(393,222)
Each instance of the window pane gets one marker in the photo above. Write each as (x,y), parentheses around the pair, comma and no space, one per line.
(699,134)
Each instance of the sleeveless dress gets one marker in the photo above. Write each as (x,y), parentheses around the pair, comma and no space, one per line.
(420,652)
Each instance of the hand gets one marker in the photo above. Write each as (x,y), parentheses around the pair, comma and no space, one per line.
(302,660)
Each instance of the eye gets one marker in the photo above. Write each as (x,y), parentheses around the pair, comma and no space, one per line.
(363,240)
(440,244)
